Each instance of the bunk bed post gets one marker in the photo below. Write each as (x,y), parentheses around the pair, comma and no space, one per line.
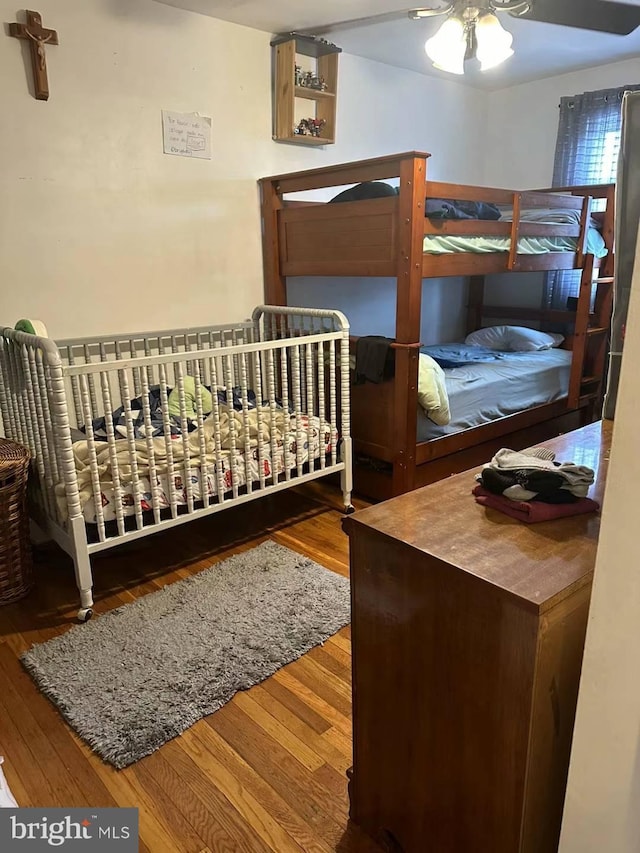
(475,303)
(275,284)
(412,192)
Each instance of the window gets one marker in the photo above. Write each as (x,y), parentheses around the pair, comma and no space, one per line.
(588,141)
(606,172)
(587,152)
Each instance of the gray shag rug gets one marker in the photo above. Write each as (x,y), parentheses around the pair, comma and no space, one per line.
(140,675)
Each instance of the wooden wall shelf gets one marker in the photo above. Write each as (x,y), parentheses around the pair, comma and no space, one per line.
(305,140)
(288,52)
(312,94)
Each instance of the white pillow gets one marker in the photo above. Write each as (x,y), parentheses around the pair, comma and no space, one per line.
(513,339)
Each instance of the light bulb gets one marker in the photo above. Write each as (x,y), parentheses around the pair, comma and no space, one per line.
(494,42)
(447,48)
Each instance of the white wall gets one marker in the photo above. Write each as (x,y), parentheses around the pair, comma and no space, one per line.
(370,304)
(603,792)
(403,111)
(100,231)
(522,123)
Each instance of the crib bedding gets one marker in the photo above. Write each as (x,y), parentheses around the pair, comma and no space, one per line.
(482,392)
(296,438)
(156,425)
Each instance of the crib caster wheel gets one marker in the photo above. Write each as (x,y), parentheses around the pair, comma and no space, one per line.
(348,510)
(84,614)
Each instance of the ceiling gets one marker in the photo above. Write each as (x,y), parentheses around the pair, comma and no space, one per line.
(541,50)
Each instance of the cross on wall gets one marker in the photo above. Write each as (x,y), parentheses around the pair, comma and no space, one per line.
(37,36)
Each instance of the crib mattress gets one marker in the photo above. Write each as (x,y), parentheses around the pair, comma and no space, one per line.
(480,393)
(307,440)
(439,244)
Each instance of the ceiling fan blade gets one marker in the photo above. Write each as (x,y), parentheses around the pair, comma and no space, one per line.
(601,15)
(382,18)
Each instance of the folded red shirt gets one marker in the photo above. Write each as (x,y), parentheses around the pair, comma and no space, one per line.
(533,511)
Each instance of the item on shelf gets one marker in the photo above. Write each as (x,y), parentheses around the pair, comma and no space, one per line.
(309,127)
(309,80)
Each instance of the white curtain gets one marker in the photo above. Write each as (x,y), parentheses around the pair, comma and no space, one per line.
(587,150)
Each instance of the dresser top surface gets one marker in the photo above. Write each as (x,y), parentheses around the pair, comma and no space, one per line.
(535,562)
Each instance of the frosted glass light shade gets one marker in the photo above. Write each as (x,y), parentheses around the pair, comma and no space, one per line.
(494,42)
(447,48)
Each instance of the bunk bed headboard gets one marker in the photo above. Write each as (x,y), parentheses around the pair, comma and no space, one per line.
(341,245)
(375,169)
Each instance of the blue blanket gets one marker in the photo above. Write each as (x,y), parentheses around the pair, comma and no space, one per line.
(457,355)
(434,208)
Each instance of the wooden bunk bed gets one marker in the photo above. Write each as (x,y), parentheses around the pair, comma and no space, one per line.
(384,237)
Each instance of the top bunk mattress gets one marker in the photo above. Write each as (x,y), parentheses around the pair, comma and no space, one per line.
(442,244)
(483,392)
(438,244)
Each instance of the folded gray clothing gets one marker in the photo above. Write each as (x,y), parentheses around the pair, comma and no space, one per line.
(540,453)
(512,460)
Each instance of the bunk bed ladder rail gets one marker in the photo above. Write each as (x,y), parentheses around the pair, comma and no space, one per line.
(592,325)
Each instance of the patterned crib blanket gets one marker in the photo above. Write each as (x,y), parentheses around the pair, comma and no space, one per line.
(178,462)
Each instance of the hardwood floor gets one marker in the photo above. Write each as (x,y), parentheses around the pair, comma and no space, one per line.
(264,773)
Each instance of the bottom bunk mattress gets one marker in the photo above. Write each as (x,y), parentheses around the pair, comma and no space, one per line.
(483,392)
(296,440)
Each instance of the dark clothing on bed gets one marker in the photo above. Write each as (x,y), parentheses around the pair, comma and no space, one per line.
(434,208)
(368,189)
(446,208)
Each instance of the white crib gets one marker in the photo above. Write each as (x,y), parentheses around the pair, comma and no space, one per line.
(132,434)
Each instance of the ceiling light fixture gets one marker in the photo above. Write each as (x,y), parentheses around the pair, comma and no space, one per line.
(471,29)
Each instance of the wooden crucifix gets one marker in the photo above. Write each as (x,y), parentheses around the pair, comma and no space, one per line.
(38,37)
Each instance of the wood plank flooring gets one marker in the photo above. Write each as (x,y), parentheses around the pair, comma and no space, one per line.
(264,773)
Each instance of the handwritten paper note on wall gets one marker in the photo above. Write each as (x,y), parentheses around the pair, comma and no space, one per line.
(186,134)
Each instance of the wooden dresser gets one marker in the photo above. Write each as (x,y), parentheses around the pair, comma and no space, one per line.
(468,631)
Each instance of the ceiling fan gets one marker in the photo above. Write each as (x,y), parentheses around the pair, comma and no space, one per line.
(472,28)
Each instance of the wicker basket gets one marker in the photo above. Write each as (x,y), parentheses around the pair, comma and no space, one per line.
(15,548)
